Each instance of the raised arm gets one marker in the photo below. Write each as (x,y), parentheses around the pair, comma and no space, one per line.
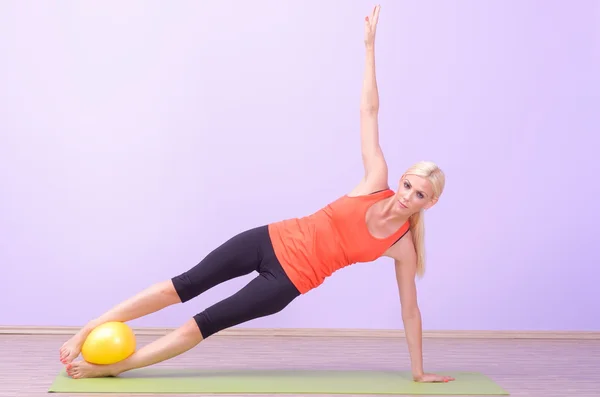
(405,260)
(375,167)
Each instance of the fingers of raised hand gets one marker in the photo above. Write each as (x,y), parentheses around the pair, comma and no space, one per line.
(374,17)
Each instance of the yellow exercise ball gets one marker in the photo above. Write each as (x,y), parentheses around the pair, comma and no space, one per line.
(109,343)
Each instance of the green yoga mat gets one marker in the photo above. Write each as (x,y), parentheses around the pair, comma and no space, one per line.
(166,381)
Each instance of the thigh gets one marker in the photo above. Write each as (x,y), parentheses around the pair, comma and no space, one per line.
(264,295)
(238,256)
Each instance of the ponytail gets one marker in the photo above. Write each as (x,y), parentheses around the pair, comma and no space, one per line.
(430,171)
(417,229)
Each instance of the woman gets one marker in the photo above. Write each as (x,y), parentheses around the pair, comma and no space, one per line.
(294,256)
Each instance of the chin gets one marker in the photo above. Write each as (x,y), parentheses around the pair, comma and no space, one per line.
(401,208)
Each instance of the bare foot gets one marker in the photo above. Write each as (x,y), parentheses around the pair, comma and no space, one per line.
(83,369)
(70,350)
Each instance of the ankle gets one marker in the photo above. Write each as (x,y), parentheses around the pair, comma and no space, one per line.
(89,327)
(116,370)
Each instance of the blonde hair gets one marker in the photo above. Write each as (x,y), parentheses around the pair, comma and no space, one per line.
(431,172)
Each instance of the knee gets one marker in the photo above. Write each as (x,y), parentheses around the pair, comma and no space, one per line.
(232,312)
(190,330)
(182,286)
(205,325)
(167,290)
(216,319)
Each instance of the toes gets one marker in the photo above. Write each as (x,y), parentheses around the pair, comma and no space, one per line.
(70,369)
(67,357)
(76,371)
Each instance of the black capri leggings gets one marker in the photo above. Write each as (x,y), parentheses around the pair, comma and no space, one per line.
(268,293)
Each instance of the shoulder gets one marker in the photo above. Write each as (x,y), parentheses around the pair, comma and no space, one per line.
(403,251)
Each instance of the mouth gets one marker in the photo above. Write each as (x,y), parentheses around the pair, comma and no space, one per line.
(402,205)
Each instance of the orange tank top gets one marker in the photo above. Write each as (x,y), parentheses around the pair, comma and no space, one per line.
(312,248)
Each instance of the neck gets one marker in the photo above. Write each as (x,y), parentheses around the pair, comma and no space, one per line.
(389,215)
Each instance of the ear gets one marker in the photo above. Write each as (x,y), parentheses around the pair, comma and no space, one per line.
(431,203)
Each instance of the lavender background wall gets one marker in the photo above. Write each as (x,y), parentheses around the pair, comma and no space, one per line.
(136,136)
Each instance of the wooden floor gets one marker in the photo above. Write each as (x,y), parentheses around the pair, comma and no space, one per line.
(532,368)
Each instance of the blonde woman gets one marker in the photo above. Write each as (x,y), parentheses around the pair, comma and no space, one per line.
(294,256)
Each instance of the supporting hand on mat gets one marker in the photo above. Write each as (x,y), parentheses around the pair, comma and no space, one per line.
(371,27)
(432,378)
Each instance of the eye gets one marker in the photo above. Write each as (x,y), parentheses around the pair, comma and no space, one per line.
(420,195)
(406,185)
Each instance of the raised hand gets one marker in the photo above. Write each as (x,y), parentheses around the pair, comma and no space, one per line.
(371,27)
(425,378)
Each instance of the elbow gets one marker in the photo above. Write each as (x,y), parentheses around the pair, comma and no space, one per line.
(411,312)
(369,109)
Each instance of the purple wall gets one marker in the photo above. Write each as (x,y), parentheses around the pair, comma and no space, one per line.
(136,137)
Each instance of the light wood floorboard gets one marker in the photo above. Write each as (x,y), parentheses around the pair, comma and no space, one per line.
(524,367)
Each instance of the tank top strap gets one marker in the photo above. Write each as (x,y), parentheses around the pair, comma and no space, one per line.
(393,239)
(383,192)
(398,234)
(374,196)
